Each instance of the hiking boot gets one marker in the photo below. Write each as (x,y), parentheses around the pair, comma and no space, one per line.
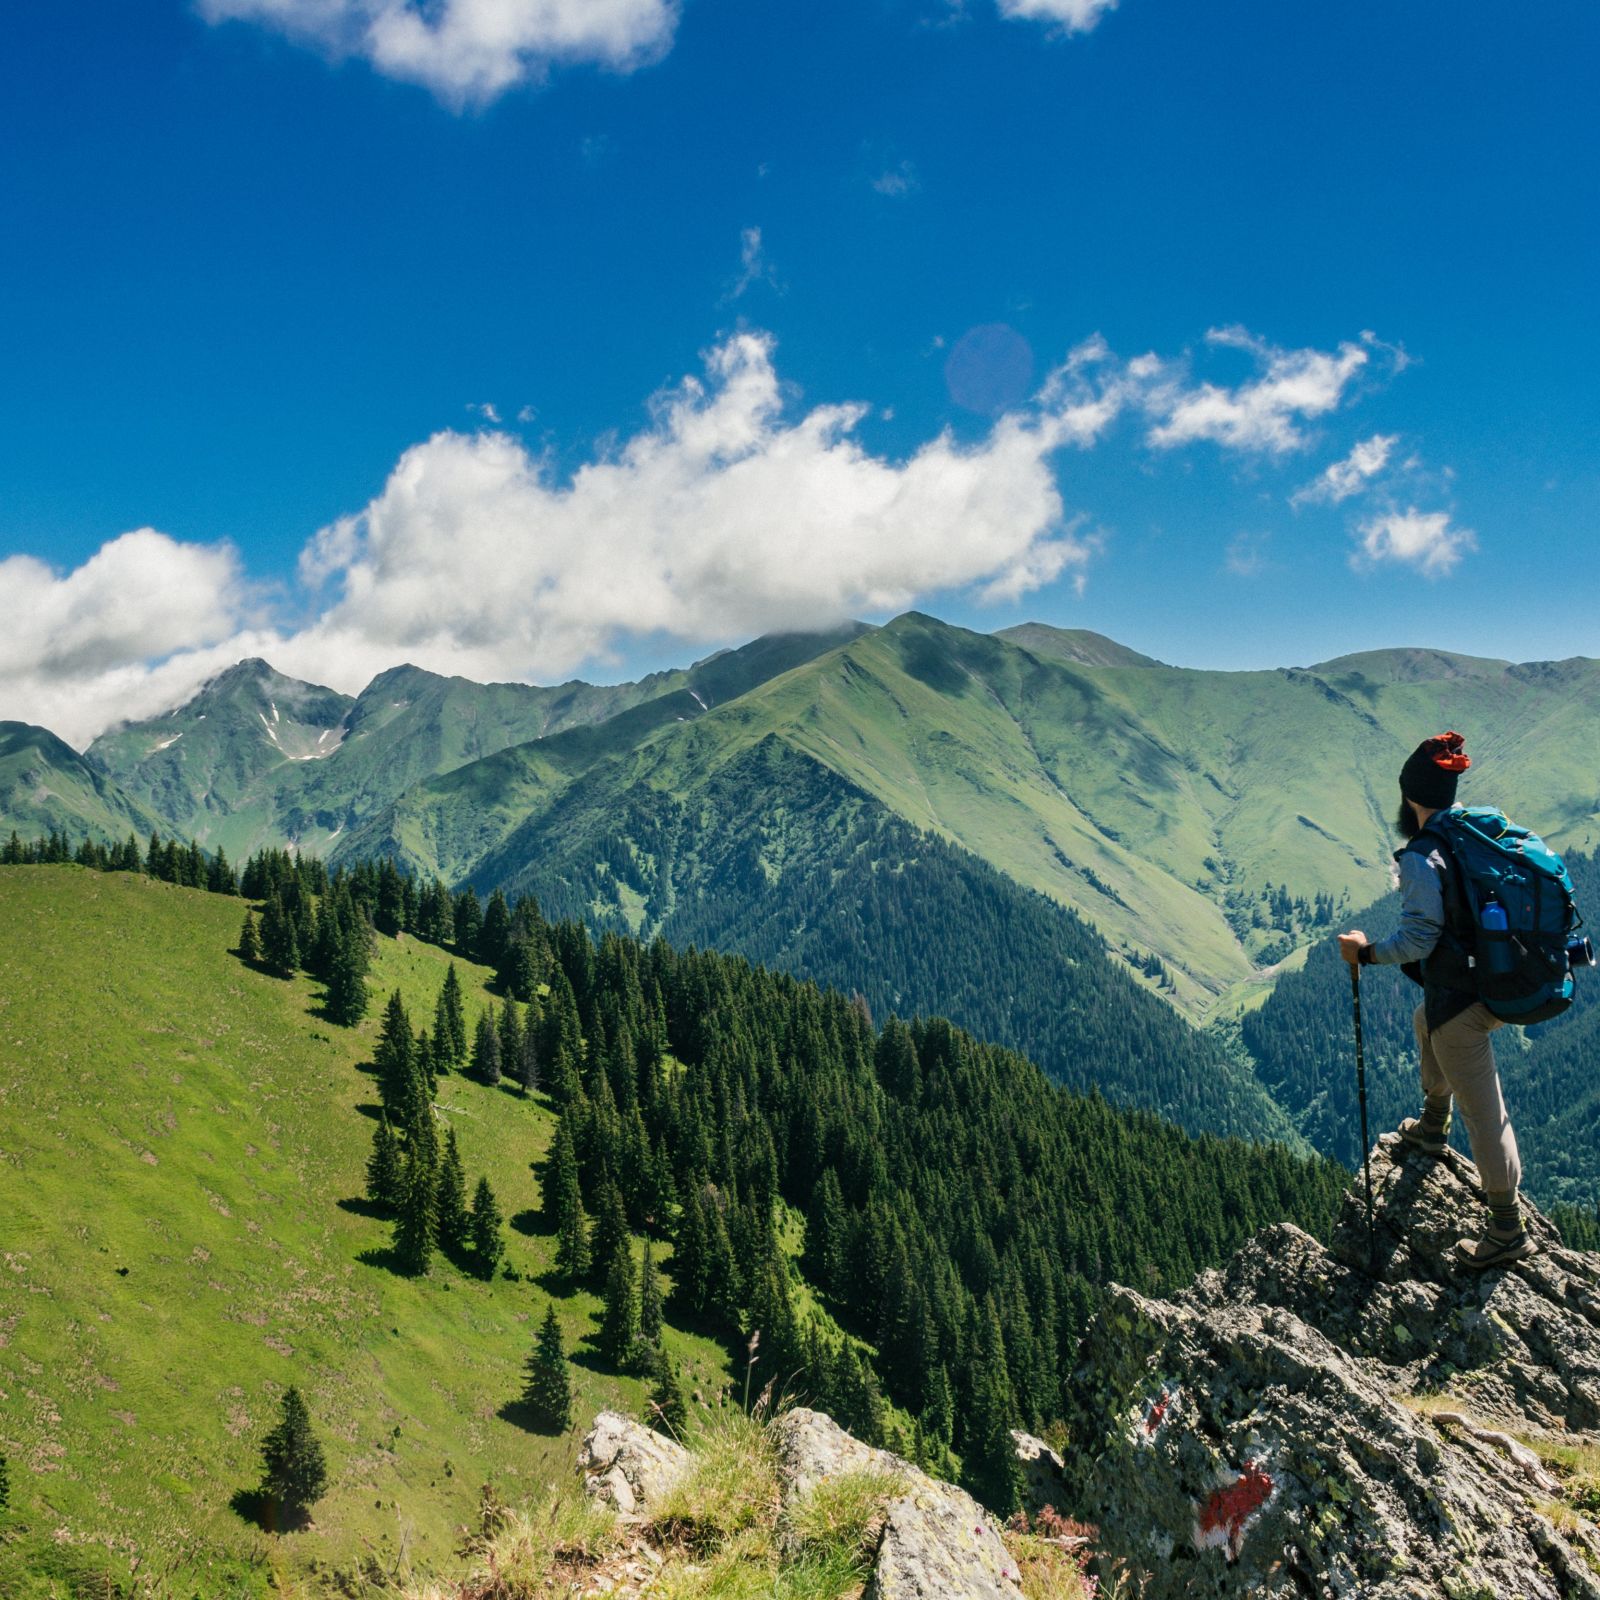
(1493,1249)
(1422,1136)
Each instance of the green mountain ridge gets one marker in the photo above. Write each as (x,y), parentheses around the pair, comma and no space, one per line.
(46,785)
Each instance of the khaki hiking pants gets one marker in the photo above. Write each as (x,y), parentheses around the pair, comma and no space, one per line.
(1458,1060)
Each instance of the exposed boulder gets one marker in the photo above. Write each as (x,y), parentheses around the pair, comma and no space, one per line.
(1045,1474)
(1253,1436)
(629,1466)
(937,1542)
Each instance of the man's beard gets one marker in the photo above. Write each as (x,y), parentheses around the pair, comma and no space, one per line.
(1407,822)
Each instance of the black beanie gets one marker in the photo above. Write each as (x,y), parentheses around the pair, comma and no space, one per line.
(1431,770)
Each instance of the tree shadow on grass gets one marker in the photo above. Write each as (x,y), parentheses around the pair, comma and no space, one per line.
(521,1415)
(358,1205)
(387,1258)
(265,1513)
(532,1224)
(368,1109)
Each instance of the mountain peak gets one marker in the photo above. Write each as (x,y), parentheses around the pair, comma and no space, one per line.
(1078,645)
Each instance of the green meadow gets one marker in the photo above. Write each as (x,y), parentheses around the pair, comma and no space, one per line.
(183,1235)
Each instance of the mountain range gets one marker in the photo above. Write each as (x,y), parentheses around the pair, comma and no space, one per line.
(943,820)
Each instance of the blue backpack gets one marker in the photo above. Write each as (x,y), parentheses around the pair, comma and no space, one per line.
(1518,898)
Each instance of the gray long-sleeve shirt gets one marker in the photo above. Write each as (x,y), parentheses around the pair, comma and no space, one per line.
(1421,910)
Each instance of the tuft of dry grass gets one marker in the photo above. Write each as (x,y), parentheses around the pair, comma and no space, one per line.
(731,1489)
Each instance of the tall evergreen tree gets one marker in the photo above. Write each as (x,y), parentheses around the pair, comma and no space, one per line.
(992,1471)
(280,945)
(649,1300)
(416,1224)
(346,953)
(486,1049)
(249,943)
(547,1392)
(488,1245)
(450,1198)
(384,1167)
(294,1474)
(667,1408)
(510,1039)
(619,1317)
(449,1022)
(395,1057)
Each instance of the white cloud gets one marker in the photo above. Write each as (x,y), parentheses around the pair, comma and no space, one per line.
(898,181)
(730,512)
(1261,414)
(1073,16)
(723,517)
(1425,540)
(468,52)
(1349,476)
(754,267)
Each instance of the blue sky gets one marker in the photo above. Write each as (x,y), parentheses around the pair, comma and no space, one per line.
(269,260)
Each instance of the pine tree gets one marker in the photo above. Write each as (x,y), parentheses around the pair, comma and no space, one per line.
(573,1258)
(649,1300)
(294,1472)
(347,958)
(510,1039)
(547,1392)
(450,1198)
(416,1225)
(611,1231)
(395,1058)
(486,1049)
(449,1021)
(487,1244)
(383,1167)
(992,1471)
(249,944)
(619,1318)
(667,1408)
(280,946)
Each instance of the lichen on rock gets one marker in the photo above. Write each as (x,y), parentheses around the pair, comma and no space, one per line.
(1253,1436)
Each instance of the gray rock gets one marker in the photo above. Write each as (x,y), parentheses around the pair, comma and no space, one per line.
(1045,1474)
(1249,1438)
(937,1542)
(940,1544)
(812,1447)
(628,1466)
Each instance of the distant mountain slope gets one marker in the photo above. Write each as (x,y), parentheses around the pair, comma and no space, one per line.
(1214,820)
(46,785)
(806,872)
(256,758)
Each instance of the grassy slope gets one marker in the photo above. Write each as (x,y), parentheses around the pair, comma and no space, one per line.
(195,1123)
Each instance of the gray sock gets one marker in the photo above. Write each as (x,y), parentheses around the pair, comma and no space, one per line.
(1505,1215)
(1435,1113)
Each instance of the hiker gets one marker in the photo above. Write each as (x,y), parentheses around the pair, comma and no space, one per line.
(1433,947)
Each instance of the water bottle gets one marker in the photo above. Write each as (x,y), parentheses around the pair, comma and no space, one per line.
(1496,941)
(1580,953)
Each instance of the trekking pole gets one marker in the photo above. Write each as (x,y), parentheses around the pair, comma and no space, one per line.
(1361,1095)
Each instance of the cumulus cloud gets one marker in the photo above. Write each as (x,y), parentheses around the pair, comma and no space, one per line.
(1349,476)
(1265,412)
(467,52)
(1425,540)
(730,512)
(723,517)
(1072,16)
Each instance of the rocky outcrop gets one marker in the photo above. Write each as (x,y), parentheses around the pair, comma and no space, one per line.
(937,1543)
(1044,1474)
(629,1466)
(1319,1422)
